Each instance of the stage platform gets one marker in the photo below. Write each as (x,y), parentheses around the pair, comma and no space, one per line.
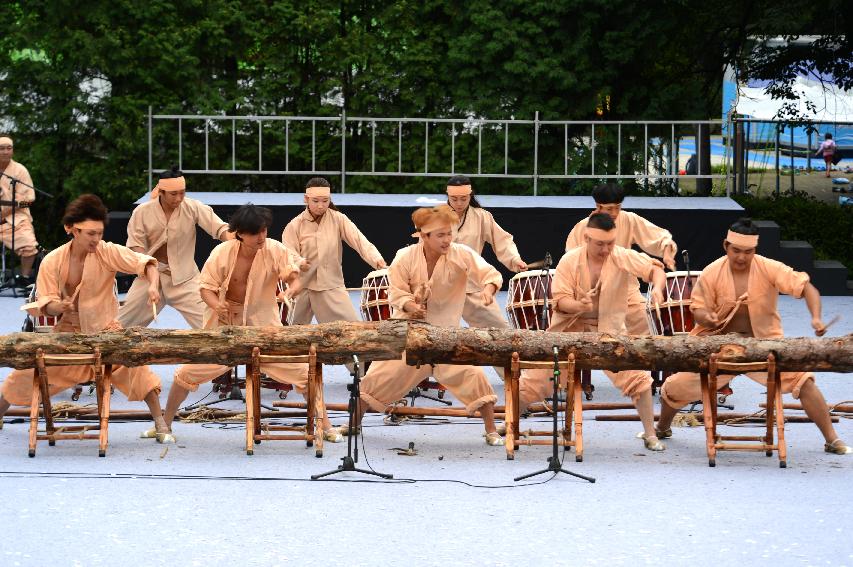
(539,224)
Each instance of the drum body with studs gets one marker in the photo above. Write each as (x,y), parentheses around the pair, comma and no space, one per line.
(375,303)
(673,316)
(285,305)
(525,299)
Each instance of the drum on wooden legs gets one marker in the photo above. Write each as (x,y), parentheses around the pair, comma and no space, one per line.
(673,316)
(525,309)
(285,305)
(525,299)
(375,305)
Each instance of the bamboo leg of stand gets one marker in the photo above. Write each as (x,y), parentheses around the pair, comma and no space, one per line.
(319,404)
(257,391)
(708,418)
(34,409)
(103,377)
(252,373)
(516,405)
(312,407)
(780,420)
(568,414)
(578,414)
(769,419)
(48,408)
(104,411)
(510,379)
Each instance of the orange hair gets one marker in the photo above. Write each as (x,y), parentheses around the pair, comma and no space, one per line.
(427,216)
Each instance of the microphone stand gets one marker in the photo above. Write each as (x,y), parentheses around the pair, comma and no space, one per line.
(554,464)
(351,457)
(13,182)
(545,319)
(686,257)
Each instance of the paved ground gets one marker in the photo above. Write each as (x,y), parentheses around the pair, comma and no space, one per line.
(204,502)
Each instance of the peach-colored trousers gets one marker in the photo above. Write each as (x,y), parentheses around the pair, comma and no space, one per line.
(25,236)
(684,387)
(327,306)
(184,298)
(135,382)
(389,380)
(537,384)
(190,376)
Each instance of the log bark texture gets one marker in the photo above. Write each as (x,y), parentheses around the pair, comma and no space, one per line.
(427,344)
(336,342)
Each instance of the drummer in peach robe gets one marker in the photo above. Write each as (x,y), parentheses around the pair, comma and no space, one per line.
(238,286)
(75,283)
(738,293)
(165,228)
(631,229)
(591,288)
(428,281)
(477,227)
(317,235)
(26,245)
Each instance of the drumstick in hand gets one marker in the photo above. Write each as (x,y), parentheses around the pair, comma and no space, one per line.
(832,322)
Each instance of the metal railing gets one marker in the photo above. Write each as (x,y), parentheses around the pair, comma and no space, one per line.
(752,139)
(581,139)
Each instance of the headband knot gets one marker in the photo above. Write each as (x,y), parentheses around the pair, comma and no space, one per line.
(459,190)
(742,240)
(318,191)
(170,184)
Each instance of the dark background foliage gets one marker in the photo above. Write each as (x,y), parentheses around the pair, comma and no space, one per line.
(78,83)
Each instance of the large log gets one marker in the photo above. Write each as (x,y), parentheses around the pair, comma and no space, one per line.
(336,342)
(427,344)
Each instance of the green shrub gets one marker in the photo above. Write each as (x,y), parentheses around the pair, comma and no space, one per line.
(828,228)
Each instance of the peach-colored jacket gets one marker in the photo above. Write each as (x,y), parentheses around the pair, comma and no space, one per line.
(272,263)
(22,192)
(407,276)
(479,228)
(715,291)
(96,301)
(618,274)
(320,244)
(631,229)
(149,230)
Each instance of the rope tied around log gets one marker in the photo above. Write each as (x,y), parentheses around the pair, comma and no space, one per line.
(66,410)
(208,415)
(688,419)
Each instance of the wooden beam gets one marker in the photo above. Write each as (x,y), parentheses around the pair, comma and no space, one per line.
(336,342)
(427,344)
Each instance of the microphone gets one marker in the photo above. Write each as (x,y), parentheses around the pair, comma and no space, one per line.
(544,263)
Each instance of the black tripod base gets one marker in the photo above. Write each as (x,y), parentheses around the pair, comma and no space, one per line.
(554,467)
(348,465)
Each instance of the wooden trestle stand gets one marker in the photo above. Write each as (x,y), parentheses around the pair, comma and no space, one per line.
(41,401)
(774,413)
(573,422)
(312,433)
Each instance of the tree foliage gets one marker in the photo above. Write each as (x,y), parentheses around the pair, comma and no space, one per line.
(78,83)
